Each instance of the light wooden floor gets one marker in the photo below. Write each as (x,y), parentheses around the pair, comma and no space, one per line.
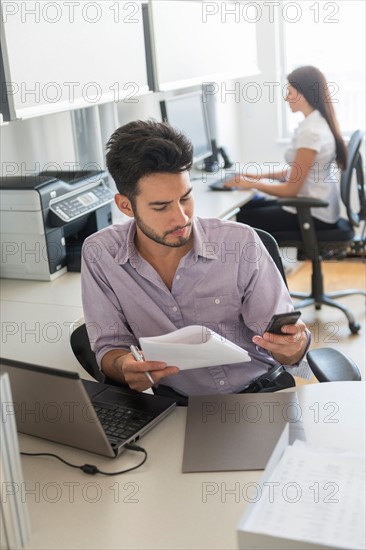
(329,326)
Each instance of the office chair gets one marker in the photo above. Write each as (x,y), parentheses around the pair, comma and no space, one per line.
(315,244)
(327,364)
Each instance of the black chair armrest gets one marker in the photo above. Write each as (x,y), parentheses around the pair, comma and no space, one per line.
(331,365)
(302,202)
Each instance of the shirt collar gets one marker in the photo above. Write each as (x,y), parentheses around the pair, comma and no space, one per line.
(202,245)
(128,251)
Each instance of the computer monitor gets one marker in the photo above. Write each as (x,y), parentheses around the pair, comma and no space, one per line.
(187,113)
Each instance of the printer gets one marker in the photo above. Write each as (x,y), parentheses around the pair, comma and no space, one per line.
(45,219)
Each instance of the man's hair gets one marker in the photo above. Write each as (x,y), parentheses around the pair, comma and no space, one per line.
(141,148)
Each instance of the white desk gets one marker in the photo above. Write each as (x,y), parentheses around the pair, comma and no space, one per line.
(157,506)
(218,204)
(36,319)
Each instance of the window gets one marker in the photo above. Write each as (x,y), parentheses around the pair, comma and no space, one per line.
(331,36)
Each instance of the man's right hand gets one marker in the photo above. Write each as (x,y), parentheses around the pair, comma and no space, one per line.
(134,372)
(121,366)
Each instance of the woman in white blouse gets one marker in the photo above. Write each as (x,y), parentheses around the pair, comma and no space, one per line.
(315,157)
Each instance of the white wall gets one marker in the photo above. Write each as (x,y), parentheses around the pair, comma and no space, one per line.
(259,120)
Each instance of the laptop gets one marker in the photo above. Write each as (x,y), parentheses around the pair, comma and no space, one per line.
(59,406)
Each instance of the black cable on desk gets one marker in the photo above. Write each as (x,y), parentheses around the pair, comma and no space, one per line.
(91,468)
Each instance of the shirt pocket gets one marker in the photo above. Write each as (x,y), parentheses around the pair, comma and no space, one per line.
(213,310)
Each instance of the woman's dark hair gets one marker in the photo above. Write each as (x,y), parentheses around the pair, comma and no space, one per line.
(141,148)
(311,83)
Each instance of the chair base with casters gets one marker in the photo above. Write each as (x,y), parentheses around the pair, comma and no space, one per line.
(318,297)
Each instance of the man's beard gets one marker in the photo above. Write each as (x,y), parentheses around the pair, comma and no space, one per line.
(150,233)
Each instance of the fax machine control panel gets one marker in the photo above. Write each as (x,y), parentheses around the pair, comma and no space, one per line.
(83,201)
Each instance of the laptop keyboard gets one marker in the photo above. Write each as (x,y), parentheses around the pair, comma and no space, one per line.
(121,422)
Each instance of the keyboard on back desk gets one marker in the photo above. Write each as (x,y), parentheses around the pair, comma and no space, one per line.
(219,185)
(121,422)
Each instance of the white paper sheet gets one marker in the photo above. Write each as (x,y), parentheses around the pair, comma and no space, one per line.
(314,495)
(192,347)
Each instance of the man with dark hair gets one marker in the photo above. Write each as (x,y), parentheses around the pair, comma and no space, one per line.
(166,269)
(164,150)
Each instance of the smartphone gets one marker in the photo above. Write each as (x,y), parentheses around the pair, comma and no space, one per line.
(281,319)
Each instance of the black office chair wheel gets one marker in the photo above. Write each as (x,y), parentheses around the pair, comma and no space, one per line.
(318,307)
(354,327)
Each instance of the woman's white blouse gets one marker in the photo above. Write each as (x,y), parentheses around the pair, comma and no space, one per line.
(322,181)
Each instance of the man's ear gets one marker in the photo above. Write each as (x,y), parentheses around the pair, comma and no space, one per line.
(124,204)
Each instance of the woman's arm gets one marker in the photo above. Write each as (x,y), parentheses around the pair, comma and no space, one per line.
(304,159)
(280,175)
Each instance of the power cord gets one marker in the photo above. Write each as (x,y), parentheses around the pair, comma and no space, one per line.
(90,468)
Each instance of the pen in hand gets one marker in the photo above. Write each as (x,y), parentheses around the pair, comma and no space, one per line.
(138,356)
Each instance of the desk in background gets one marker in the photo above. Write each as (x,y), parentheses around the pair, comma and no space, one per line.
(218,204)
(157,506)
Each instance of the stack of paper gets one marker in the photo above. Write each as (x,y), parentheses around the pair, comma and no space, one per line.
(192,347)
(14,519)
(314,497)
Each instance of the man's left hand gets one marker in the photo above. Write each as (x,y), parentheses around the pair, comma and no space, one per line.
(287,348)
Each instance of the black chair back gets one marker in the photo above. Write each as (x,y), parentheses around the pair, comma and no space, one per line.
(271,245)
(80,345)
(354,167)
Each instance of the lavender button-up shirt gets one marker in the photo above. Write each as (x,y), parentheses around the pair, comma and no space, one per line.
(226,282)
